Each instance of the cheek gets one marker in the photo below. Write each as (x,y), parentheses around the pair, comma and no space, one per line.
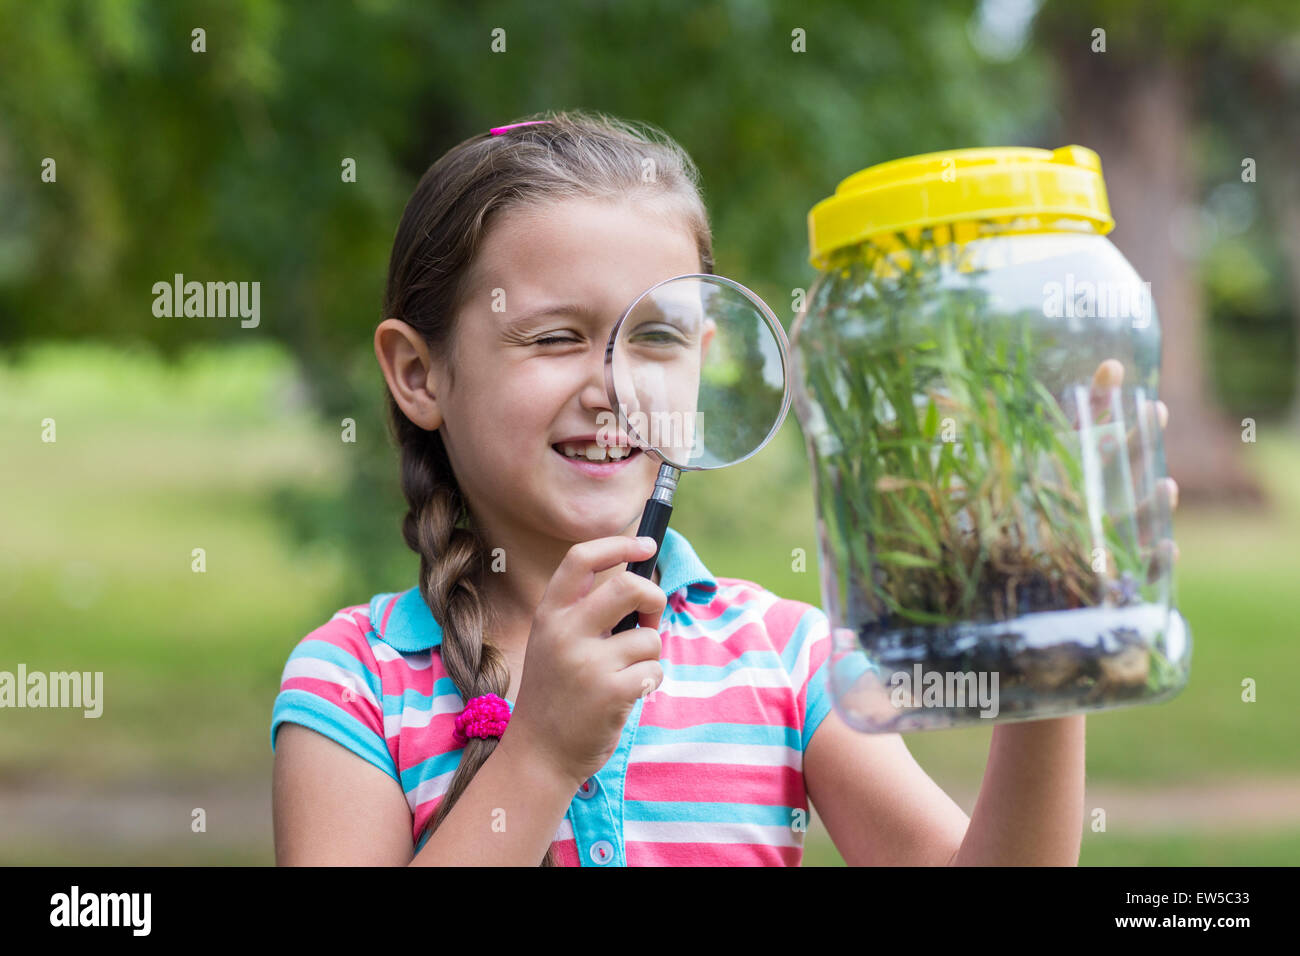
(512,418)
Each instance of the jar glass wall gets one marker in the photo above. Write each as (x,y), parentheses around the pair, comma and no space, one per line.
(994,540)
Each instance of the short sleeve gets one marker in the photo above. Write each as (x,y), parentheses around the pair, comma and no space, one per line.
(331,683)
(812,646)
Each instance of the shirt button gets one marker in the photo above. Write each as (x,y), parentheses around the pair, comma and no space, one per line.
(588,788)
(602,851)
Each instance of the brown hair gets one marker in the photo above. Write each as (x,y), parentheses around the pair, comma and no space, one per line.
(578,154)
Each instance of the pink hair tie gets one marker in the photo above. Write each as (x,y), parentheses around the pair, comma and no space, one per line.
(484,716)
(498,130)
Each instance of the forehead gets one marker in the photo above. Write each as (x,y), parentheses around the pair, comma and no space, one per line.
(604,252)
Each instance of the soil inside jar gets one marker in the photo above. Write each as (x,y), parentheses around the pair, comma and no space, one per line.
(1047,663)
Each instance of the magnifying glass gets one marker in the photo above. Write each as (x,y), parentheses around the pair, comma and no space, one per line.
(697,372)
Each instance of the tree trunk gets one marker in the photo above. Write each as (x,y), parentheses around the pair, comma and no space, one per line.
(1137,116)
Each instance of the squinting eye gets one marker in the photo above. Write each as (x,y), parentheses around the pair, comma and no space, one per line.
(551,340)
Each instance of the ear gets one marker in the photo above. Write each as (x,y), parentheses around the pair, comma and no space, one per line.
(710,327)
(413,377)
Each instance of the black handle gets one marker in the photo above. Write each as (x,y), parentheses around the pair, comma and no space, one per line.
(654,522)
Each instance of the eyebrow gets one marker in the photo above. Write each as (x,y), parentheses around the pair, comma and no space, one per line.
(563,308)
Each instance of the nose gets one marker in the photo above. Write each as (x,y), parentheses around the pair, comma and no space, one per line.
(594,397)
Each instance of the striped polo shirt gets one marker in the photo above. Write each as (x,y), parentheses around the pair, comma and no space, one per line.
(709,767)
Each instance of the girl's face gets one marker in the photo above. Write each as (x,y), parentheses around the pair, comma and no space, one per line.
(546,290)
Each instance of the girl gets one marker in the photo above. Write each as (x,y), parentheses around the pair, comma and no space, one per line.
(695,738)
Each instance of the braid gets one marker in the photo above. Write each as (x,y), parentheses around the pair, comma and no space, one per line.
(452,565)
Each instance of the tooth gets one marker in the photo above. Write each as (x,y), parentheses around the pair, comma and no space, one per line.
(595,453)
(570,451)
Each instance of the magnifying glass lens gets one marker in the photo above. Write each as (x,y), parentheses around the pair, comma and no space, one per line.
(698,371)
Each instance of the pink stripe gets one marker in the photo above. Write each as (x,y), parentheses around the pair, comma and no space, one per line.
(716,783)
(435,739)
(781,620)
(716,649)
(332,692)
(401,675)
(743,704)
(640,853)
(347,634)
(383,626)
(566,852)
(731,592)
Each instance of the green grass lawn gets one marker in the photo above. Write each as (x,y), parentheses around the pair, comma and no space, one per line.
(95,574)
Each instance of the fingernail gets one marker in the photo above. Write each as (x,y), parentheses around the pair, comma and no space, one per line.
(648,542)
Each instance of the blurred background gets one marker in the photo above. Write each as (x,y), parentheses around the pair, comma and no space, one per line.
(178,433)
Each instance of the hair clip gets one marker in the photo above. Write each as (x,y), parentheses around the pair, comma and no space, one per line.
(498,130)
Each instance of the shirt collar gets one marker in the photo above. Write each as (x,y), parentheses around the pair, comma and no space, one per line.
(403,621)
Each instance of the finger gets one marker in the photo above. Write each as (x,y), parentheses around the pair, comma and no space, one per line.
(632,646)
(1108,377)
(576,576)
(1152,417)
(641,679)
(1161,560)
(1153,511)
(614,599)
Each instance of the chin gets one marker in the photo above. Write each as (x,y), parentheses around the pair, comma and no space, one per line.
(600,523)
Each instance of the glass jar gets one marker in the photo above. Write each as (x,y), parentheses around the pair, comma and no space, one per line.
(995,539)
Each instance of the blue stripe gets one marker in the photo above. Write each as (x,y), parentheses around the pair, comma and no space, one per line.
(756,659)
(818,703)
(413,699)
(683,811)
(310,710)
(430,767)
(766,735)
(724,621)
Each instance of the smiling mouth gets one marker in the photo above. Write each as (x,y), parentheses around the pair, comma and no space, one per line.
(597,465)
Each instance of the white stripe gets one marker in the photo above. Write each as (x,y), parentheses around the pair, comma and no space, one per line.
(430,789)
(750,755)
(387,653)
(754,610)
(412,716)
(740,677)
(691,831)
(318,669)
(818,630)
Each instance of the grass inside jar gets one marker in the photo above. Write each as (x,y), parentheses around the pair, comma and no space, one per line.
(964,480)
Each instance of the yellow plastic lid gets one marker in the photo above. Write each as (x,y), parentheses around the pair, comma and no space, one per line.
(1000,182)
